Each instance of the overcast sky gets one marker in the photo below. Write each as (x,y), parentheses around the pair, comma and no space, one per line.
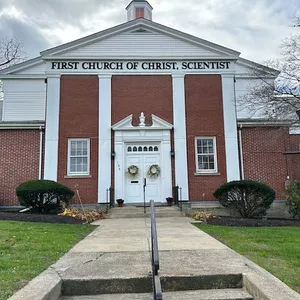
(253,27)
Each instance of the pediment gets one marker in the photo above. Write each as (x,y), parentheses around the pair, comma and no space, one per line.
(157,124)
(139,38)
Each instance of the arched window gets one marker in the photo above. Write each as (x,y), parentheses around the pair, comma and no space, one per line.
(129,149)
(140,149)
(145,149)
(155,148)
(134,149)
(150,148)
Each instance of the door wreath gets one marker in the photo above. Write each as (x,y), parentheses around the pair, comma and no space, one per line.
(132,171)
(153,171)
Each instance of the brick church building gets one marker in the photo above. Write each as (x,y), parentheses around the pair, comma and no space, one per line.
(139,100)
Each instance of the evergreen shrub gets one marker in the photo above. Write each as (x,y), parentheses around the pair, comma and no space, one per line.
(249,198)
(44,196)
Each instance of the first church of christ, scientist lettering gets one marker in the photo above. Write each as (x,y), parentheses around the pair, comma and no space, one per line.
(134,65)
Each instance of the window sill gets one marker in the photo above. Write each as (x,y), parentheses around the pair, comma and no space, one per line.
(77,176)
(207,174)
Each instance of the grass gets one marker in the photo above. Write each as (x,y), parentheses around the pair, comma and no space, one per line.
(27,249)
(276,249)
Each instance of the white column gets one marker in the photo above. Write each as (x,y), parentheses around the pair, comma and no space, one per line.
(181,168)
(166,165)
(52,127)
(230,128)
(119,166)
(104,161)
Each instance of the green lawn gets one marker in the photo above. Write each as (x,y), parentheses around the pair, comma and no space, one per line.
(26,249)
(276,249)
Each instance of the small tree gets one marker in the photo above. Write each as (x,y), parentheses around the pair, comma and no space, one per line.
(11,52)
(249,198)
(44,196)
(293,199)
(280,98)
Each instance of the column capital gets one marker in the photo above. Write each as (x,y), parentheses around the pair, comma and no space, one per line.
(178,75)
(104,76)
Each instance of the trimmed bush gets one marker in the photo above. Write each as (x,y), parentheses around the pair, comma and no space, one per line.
(249,198)
(44,196)
(293,199)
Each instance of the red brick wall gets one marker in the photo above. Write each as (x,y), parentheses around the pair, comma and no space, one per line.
(294,159)
(136,94)
(263,149)
(19,162)
(204,117)
(78,118)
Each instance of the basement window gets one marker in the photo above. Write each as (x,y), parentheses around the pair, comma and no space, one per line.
(206,155)
(78,157)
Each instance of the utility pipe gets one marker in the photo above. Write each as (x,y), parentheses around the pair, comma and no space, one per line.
(241,152)
(41,153)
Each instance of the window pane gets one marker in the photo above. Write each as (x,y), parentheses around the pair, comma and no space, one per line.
(140,148)
(78,156)
(145,149)
(205,154)
(134,149)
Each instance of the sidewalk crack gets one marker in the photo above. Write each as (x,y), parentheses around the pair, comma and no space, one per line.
(94,259)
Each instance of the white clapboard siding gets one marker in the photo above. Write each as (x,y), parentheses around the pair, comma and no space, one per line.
(34,70)
(140,45)
(243,87)
(24,100)
(242,69)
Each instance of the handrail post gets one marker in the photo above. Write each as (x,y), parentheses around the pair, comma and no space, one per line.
(157,295)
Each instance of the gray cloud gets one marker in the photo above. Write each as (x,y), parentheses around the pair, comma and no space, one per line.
(253,27)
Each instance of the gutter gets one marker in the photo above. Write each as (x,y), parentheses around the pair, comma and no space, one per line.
(12,125)
(265,123)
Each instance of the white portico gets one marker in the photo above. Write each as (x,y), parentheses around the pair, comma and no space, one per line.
(142,146)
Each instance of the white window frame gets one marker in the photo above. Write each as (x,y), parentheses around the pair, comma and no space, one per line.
(69,157)
(206,171)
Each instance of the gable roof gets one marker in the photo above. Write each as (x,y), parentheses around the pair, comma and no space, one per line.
(137,24)
(140,24)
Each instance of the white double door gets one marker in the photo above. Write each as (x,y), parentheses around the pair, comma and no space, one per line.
(134,187)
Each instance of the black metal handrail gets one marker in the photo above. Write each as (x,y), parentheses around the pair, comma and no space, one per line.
(157,295)
(111,197)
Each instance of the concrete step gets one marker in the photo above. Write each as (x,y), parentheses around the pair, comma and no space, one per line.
(94,286)
(138,212)
(220,294)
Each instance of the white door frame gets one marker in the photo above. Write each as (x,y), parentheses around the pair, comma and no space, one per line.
(141,157)
(159,131)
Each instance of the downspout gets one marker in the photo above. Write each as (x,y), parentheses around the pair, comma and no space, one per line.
(41,153)
(241,152)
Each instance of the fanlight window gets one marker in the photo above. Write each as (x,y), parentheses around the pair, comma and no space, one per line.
(142,149)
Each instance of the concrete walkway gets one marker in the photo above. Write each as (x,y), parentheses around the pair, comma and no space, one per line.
(116,256)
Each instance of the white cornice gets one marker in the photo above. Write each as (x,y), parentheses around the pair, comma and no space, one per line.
(142,57)
(21,76)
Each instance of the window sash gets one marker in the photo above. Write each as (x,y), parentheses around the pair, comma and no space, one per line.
(78,157)
(206,155)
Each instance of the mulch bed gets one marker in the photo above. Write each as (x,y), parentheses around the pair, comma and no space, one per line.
(30,217)
(230,221)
